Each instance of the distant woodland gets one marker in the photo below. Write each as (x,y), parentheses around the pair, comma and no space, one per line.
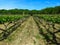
(49,10)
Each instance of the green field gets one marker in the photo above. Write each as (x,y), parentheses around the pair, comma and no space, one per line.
(30,30)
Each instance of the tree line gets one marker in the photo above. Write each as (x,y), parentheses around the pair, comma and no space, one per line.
(49,10)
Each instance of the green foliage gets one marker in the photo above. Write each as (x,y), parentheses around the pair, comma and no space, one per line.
(6,18)
(51,18)
(50,10)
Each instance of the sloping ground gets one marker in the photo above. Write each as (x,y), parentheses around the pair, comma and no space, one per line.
(26,34)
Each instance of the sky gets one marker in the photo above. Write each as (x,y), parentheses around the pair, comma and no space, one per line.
(28,4)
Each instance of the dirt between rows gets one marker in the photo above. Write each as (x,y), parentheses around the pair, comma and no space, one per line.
(26,34)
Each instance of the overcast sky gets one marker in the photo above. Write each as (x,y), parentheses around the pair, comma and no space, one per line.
(28,4)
